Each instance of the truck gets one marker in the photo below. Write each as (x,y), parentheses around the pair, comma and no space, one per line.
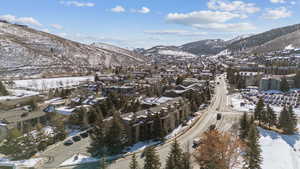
(196,142)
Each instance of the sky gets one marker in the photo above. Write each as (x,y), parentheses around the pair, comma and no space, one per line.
(147,23)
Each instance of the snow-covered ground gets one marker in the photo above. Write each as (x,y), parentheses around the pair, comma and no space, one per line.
(30,163)
(49,83)
(79,159)
(279,151)
(236,100)
(181,128)
(18,94)
(176,53)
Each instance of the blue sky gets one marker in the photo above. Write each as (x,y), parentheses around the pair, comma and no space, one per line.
(146,23)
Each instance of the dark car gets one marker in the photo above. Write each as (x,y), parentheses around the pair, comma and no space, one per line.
(84,135)
(76,138)
(68,142)
(219,116)
(212,127)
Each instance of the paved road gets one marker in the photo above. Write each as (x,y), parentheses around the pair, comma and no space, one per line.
(220,104)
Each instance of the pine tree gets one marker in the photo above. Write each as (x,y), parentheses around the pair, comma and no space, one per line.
(284,85)
(3,91)
(283,118)
(252,155)
(134,164)
(98,138)
(175,158)
(272,118)
(115,137)
(258,112)
(292,121)
(244,126)
(151,159)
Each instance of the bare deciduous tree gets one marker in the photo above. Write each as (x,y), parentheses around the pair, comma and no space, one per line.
(219,150)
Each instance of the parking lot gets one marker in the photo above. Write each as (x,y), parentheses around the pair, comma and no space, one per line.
(273,98)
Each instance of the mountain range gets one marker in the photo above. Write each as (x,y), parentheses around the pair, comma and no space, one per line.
(23,48)
(273,40)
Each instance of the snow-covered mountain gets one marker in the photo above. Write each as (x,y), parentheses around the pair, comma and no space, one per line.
(121,51)
(205,47)
(165,51)
(28,51)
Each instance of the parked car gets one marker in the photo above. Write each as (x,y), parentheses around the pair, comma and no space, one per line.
(212,127)
(84,135)
(68,142)
(219,116)
(76,138)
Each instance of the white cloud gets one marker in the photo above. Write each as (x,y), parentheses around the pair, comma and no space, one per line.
(78,4)
(118,9)
(278,1)
(234,6)
(277,13)
(22,20)
(143,10)
(56,26)
(202,17)
(293,2)
(229,27)
(175,32)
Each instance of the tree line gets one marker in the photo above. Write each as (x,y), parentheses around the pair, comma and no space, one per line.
(265,115)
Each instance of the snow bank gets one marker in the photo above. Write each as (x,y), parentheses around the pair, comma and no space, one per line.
(79,159)
(50,83)
(18,94)
(279,151)
(141,146)
(30,163)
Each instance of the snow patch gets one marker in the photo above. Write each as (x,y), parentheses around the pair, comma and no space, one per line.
(79,159)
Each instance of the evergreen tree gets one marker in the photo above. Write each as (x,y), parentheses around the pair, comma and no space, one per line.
(252,155)
(186,161)
(134,164)
(244,126)
(284,85)
(272,118)
(292,121)
(258,112)
(283,119)
(115,137)
(98,139)
(151,159)
(3,91)
(175,158)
